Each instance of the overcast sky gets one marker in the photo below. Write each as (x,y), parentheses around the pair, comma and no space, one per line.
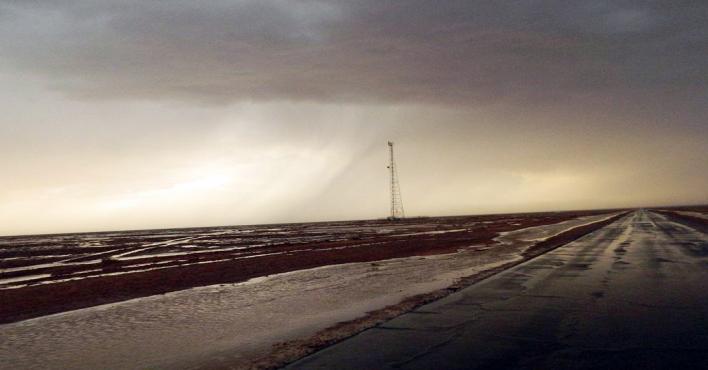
(147,114)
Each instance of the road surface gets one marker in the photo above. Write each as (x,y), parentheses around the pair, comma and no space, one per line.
(632,295)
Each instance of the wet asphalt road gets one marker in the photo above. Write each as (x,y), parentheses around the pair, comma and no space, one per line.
(632,295)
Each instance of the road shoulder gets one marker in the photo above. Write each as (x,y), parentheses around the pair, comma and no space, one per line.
(288,352)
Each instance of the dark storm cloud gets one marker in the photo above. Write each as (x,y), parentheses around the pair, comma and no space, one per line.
(412,51)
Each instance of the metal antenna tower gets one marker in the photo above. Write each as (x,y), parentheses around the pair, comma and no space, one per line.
(396,200)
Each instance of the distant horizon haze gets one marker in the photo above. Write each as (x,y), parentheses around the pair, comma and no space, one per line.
(384,217)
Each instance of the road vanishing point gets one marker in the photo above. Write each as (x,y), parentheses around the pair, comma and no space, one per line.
(631,295)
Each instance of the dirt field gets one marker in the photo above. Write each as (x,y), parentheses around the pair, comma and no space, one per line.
(694,216)
(53,273)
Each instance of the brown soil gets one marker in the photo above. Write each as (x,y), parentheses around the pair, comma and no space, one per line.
(698,223)
(365,245)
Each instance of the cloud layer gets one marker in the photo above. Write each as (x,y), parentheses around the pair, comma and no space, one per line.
(458,52)
(133,114)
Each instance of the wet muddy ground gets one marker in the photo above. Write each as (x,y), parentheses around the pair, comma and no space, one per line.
(265,321)
(52,273)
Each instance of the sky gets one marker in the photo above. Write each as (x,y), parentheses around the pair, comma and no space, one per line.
(137,114)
